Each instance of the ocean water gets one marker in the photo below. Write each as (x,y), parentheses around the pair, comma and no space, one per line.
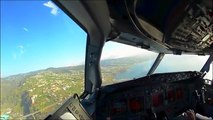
(135,71)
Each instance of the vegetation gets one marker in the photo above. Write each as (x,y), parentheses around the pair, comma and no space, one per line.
(41,92)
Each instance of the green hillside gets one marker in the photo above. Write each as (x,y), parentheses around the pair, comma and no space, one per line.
(43,91)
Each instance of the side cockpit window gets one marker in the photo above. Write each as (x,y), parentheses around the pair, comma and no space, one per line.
(42,58)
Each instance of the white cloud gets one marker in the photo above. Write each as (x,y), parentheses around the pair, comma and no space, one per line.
(116,50)
(21,46)
(54,8)
(120,52)
(25,29)
(21,49)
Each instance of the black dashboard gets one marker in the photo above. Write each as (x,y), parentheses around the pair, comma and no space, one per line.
(156,96)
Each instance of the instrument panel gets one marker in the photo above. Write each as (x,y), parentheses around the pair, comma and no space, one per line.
(142,100)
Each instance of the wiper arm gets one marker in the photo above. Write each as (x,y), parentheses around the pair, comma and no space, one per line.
(206,66)
(156,63)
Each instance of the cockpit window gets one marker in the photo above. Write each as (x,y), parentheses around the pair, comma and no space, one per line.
(209,74)
(42,57)
(177,63)
(121,62)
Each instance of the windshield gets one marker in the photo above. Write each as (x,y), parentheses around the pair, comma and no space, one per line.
(121,62)
(177,63)
(42,57)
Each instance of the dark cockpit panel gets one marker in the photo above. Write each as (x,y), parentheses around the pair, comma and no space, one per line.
(180,25)
(159,95)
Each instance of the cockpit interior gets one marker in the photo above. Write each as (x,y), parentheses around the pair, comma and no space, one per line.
(166,27)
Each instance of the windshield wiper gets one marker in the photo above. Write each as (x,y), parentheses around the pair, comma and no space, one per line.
(156,63)
(206,66)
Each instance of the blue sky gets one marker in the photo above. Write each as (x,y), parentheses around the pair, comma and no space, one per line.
(37,35)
